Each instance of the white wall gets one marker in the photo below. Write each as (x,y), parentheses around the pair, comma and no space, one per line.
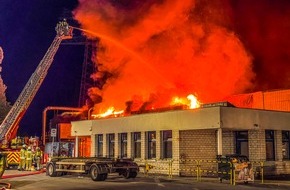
(81,128)
(239,118)
(170,120)
(203,118)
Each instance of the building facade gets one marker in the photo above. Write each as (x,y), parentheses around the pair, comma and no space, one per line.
(185,136)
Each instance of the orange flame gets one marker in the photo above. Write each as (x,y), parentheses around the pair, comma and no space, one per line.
(109,113)
(194,103)
(191,101)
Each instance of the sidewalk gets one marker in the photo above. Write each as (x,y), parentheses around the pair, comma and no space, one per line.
(267,182)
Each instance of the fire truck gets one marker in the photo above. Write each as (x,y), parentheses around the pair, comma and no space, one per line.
(12,149)
(10,125)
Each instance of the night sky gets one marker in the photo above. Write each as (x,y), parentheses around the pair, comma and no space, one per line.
(27,30)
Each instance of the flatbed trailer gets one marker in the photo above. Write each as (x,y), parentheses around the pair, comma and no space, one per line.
(97,168)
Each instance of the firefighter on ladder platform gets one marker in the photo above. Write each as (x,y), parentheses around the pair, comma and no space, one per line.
(21,166)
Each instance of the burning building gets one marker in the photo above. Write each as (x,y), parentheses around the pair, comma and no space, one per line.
(151,52)
(261,133)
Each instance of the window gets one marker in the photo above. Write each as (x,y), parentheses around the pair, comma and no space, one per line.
(242,146)
(136,145)
(111,140)
(151,139)
(285,145)
(167,144)
(123,145)
(270,150)
(100,145)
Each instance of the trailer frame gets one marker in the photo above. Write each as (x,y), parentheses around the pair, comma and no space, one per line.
(97,167)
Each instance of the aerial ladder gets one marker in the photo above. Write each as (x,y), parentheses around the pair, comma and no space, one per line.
(9,126)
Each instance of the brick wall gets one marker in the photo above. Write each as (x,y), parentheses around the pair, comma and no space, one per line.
(278,145)
(196,145)
(257,145)
(229,142)
(129,145)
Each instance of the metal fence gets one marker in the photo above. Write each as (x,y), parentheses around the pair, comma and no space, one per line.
(202,169)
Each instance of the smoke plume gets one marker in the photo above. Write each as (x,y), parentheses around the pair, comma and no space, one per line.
(151,51)
(264,27)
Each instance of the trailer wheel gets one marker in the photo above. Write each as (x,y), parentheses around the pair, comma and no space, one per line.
(51,170)
(95,174)
(126,174)
(104,177)
(133,174)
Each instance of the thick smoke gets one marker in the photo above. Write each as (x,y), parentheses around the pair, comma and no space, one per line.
(151,51)
(264,27)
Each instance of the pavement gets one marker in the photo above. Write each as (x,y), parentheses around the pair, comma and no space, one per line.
(285,182)
(11,173)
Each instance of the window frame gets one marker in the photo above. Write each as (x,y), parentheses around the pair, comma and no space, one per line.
(123,145)
(270,144)
(240,138)
(151,142)
(111,145)
(100,143)
(286,139)
(166,142)
(136,138)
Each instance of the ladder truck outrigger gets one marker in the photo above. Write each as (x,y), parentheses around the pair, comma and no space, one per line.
(10,125)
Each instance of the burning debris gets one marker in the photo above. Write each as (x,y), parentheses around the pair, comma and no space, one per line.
(153,51)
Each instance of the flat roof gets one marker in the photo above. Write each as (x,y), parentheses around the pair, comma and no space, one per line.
(190,119)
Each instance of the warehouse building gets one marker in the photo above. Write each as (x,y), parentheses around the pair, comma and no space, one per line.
(192,134)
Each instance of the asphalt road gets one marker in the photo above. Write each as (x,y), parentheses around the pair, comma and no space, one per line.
(75,182)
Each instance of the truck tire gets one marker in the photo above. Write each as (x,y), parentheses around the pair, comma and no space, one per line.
(51,170)
(94,172)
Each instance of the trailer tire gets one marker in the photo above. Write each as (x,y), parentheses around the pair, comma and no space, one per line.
(126,174)
(103,177)
(95,176)
(133,174)
(51,170)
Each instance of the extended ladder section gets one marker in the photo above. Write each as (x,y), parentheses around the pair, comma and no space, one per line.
(10,124)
